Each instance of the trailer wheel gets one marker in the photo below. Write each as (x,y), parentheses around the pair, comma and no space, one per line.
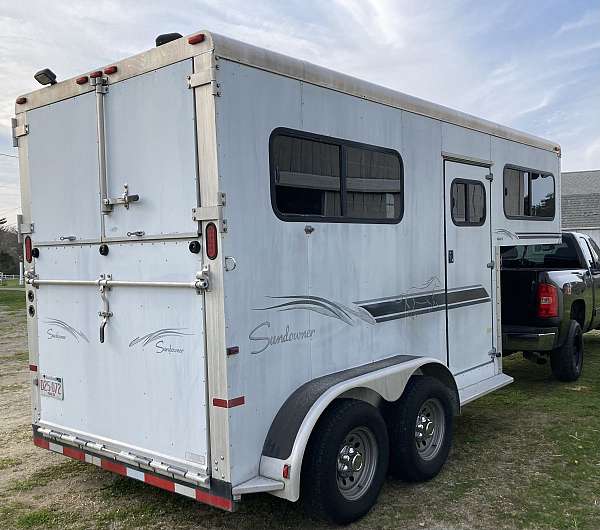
(567,361)
(345,463)
(420,429)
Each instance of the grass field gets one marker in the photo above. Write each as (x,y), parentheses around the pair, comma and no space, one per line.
(9,283)
(527,456)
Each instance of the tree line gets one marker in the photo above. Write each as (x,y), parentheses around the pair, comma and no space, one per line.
(10,250)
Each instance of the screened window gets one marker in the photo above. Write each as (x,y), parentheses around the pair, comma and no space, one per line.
(528,193)
(468,202)
(334,180)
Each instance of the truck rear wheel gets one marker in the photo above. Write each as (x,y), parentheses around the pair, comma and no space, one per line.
(420,430)
(567,361)
(345,463)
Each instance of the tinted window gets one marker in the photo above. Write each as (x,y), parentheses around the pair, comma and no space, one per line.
(528,193)
(468,202)
(336,180)
(555,256)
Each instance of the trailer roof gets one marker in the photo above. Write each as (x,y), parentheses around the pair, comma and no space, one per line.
(270,61)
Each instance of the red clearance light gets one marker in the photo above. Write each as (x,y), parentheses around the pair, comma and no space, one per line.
(286,471)
(28,246)
(547,301)
(110,70)
(21,100)
(197,39)
(82,80)
(97,73)
(212,247)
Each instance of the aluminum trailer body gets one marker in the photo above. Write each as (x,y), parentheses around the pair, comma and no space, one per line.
(227,245)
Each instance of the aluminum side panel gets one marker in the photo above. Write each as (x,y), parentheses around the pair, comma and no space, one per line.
(342,263)
(507,231)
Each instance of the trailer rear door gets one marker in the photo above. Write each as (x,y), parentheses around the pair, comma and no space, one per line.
(151,147)
(143,390)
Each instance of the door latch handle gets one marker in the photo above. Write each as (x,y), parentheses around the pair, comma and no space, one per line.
(451,256)
(106,313)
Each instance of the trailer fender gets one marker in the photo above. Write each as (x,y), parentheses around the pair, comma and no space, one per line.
(288,435)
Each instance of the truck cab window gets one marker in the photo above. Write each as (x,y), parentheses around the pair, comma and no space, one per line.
(528,194)
(328,179)
(557,256)
(468,202)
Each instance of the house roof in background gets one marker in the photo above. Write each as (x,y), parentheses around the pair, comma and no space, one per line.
(580,183)
(581,211)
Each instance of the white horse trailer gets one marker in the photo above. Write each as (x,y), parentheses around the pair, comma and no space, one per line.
(247,273)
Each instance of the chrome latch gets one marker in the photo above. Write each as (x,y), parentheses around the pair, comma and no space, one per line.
(494,353)
(489,176)
(125,199)
(106,313)
(203,279)
(491,264)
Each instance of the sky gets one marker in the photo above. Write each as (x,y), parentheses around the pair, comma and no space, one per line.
(531,65)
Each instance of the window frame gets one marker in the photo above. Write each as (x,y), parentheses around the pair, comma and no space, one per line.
(341,143)
(466,182)
(530,170)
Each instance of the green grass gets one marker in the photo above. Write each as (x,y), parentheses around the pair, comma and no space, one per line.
(10,283)
(45,476)
(527,456)
(12,300)
(7,462)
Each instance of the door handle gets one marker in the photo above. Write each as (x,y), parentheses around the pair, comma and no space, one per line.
(451,256)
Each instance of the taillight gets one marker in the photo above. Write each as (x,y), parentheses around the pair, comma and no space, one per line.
(212,248)
(547,301)
(28,247)
(196,39)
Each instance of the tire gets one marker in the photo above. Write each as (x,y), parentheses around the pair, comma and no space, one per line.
(416,452)
(567,361)
(328,492)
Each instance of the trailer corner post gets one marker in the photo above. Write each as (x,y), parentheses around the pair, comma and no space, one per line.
(208,177)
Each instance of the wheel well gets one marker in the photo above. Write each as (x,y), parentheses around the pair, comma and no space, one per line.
(443,374)
(439,371)
(578,312)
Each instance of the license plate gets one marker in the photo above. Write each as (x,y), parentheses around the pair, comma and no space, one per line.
(51,387)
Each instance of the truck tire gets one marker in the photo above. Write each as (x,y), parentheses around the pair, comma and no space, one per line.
(420,429)
(567,361)
(345,463)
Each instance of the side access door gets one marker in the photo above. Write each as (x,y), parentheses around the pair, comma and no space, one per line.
(469,271)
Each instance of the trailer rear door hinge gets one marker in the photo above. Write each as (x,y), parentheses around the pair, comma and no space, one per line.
(491,264)
(18,131)
(212,213)
(494,353)
(205,77)
(489,176)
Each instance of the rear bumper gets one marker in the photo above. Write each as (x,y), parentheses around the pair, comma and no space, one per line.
(219,495)
(526,338)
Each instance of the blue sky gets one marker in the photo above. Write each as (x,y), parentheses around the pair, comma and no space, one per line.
(532,65)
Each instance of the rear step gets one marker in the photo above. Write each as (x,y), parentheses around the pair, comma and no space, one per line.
(124,456)
(220,497)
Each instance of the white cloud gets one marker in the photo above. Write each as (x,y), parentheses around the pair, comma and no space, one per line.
(590,18)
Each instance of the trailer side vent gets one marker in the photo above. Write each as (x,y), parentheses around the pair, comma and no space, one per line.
(167,37)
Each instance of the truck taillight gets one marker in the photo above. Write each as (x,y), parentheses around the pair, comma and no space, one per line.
(28,248)
(212,248)
(547,301)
